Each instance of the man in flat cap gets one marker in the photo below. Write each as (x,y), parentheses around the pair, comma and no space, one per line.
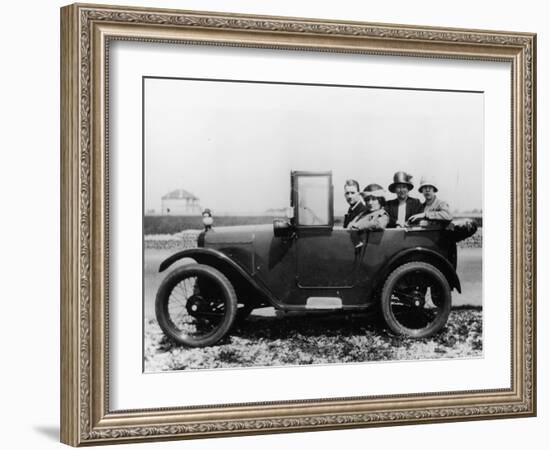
(403,207)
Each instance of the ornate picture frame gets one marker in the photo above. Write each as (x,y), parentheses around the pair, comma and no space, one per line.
(87,31)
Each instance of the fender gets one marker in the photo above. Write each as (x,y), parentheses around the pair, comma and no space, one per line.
(420,254)
(224,264)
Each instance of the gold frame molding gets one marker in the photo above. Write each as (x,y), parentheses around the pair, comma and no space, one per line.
(86,31)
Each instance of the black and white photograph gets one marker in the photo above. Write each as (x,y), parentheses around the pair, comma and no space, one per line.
(289,224)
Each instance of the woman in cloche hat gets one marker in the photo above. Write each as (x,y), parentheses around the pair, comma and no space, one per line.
(375,217)
(433,208)
(403,207)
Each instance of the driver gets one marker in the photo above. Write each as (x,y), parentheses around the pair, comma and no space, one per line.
(403,207)
(355,201)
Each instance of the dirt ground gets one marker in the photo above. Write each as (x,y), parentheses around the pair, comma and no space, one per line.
(267,339)
(276,341)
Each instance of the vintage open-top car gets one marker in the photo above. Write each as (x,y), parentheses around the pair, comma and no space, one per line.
(306,263)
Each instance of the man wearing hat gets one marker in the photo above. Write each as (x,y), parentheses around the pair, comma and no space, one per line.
(403,207)
(433,208)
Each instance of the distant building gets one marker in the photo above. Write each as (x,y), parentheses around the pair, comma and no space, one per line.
(180,203)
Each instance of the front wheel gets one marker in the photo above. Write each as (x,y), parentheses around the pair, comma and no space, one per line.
(196,305)
(416,300)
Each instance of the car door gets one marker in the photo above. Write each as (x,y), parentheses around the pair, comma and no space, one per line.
(328,258)
(325,257)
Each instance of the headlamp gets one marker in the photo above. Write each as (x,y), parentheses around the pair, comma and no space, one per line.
(207,219)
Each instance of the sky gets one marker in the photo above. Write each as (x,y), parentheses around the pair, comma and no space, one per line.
(234,144)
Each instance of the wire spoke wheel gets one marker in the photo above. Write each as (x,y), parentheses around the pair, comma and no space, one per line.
(196,305)
(416,300)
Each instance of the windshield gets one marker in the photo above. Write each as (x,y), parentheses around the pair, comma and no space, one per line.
(313,200)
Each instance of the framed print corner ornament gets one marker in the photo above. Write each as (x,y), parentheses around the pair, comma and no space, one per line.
(259,213)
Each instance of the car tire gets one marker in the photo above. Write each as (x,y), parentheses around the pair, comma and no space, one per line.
(407,308)
(196,305)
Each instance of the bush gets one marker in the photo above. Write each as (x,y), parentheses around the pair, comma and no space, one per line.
(474,241)
(175,224)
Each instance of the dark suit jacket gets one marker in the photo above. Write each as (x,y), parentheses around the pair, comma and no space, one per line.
(353,213)
(413,207)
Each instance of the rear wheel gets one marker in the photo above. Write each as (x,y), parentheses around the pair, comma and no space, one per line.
(196,305)
(416,300)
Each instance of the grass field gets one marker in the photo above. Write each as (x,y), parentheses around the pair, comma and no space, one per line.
(175,224)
